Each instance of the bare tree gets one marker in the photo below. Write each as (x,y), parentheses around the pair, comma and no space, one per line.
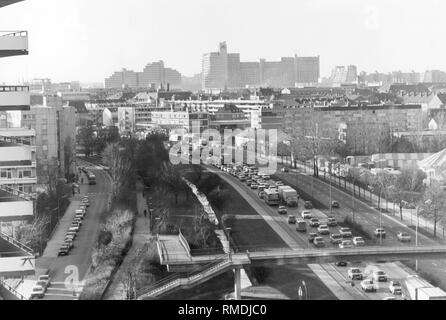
(434,203)
(120,164)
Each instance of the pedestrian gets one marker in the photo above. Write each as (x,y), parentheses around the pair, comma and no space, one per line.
(145,213)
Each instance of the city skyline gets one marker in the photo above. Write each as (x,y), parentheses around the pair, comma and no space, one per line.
(363,34)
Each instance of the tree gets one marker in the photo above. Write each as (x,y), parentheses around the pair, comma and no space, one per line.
(120,163)
(172,180)
(86,139)
(434,203)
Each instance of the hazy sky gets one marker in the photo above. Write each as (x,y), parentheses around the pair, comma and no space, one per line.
(87,40)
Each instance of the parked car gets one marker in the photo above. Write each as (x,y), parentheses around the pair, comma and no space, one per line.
(358,241)
(404,237)
(254,185)
(345,244)
(335,238)
(306,214)
(285,169)
(37,292)
(368,285)
(248,182)
(335,204)
(346,233)
(379,275)
(341,263)
(308,205)
(380,233)
(395,287)
(279,183)
(292,219)
(319,242)
(314,222)
(311,236)
(331,222)
(323,229)
(64,249)
(355,274)
(282,210)
(261,194)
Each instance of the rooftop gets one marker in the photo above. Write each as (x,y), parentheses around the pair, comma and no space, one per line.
(4,3)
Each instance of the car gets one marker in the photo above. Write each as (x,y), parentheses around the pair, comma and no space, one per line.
(380,233)
(335,204)
(323,229)
(80,211)
(306,214)
(331,222)
(308,205)
(242,178)
(37,292)
(395,287)
(285,169)
(64,249)
(261,194)
(368,285)
(346,233)
(379,275)
(75,226)
(341,263)
(358,241)
(282,210)
(319,242)
(346,244)
(292,219)
(69,238)
(254,186)
(44,279)
(314,222)
(404,237)
(389,298)
(355,274)
(335,238)
(248,182)
(279,183)
(311,236)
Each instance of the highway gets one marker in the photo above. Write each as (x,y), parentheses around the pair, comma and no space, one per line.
(368,217)
(76,264)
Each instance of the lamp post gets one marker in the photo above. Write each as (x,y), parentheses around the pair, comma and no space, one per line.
(228,230)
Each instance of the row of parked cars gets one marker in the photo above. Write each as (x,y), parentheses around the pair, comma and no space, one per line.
(39,289)
(74,227)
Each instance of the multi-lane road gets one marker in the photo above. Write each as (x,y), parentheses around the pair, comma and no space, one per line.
(75,265)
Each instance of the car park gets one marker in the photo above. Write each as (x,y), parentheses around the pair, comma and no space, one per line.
(314,222)
(379,275)
(380,233)
(346,244)
(282,210)
(308,205)
(319,242)
(292,219)
(323,229)
(355,274)
(306,214)
(395,287)
(311,236)
(331,222)
(368,285)
(335,238)
(335,204)
(358,241)
(404,237)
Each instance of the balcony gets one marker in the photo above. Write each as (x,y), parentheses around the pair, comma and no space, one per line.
(4,3)
(13,43)
(16,259)
(14,207)
(14,98)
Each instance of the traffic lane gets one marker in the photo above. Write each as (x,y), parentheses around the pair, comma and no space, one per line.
(363,213)
(271,212)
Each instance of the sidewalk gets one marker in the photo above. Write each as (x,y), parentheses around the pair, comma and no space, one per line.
(141,235)
(409,215)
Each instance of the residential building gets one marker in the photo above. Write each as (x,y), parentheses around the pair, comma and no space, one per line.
(17,145)
(228,117)
(306,70)
(122,79)
(181,118)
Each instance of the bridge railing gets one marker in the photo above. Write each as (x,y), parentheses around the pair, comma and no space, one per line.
(16,243)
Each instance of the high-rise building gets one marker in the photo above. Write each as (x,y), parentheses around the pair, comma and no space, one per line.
(17,145)
(225,70)
(344,75)
(306,70)
(122,79)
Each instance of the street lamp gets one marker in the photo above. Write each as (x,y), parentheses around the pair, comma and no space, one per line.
(228,230)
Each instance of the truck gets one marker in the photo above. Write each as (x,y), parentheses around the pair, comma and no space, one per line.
(288,195)
(271,197)
(420,289)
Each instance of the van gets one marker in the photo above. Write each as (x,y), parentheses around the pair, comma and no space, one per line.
(301,225)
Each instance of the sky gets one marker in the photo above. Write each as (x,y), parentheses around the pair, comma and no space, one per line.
(87,40)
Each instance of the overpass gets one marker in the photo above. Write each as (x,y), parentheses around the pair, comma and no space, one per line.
(220,263)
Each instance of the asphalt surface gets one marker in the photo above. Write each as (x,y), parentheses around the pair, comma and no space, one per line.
(75,265)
